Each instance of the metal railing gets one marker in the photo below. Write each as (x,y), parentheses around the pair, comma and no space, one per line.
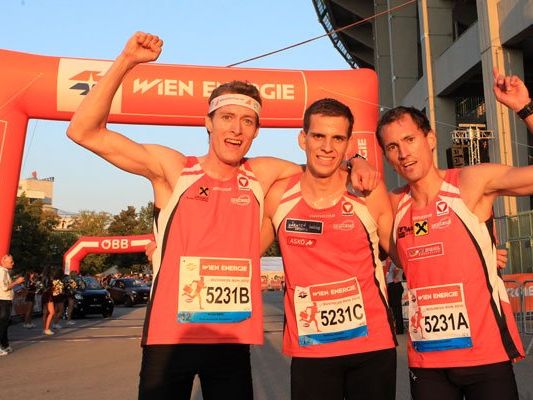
(521,299)
(517,232)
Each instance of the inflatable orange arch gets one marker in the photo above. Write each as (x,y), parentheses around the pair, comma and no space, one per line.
(103,245)
(45,87)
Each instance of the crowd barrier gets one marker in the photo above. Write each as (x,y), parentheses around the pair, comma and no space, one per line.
(520,292)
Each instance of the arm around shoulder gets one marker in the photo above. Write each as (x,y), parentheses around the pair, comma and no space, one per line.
(272,201)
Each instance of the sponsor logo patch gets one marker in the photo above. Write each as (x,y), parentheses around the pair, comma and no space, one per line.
(344,226)
(300,242)
(442,208)
(426,251)
(404,231)
(442,223)
(242,200)
(303,226)
(322,216)
(243,182)
(202,195)
(347,208)
(421,228)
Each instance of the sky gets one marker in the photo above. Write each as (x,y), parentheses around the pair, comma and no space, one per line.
(208,32)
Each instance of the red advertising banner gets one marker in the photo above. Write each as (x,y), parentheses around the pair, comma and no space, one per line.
(35,86)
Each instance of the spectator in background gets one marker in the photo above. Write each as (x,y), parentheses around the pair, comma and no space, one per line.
(58,298)
(6,301)
(70,287)
(31,289)
(47,300)
(395,292)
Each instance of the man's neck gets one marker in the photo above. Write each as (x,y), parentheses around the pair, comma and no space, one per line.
(216,168)
(426,189)
(321,192)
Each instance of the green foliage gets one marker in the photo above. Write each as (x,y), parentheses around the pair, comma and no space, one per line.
(35,242)
(91,223)
(129,222)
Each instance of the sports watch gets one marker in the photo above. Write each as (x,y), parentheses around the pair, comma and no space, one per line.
(526,111)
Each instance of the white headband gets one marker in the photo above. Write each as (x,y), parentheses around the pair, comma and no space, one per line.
(235,99)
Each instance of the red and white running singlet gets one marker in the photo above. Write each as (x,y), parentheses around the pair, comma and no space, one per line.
(206,267)
(459,311)
(335,299)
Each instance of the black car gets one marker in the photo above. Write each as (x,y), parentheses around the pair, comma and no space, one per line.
(129,291)
(91,298)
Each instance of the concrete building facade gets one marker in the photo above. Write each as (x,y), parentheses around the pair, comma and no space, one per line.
(438,56)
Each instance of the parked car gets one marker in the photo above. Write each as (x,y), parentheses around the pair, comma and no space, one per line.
(129,291)
(91,298)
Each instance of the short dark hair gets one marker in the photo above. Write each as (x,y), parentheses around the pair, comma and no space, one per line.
(330,108)
(395,114)
(236,87)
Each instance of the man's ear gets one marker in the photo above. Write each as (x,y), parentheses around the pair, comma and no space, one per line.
(432,139)
(302,138)
(208,124)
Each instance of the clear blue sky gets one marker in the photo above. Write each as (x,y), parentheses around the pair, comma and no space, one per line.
(208,32)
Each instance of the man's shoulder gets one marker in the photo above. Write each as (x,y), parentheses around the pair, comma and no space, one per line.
(400,191)
(395,195)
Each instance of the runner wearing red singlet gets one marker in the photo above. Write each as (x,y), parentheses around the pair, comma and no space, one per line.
(444,241)
(208,213)
(338,329)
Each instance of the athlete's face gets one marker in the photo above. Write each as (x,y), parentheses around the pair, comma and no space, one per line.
(407,149)
(325,144)
(231,132)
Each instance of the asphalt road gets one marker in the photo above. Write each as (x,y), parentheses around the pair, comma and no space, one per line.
(100,358)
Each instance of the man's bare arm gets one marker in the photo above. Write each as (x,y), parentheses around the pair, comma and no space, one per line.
(89,123)
(378,203)
(272,200)
(364,177)
(498,179)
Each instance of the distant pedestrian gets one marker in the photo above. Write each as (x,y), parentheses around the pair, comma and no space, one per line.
(31,289)
(47,301)
(58,297)
(395,293)
(6,301)
(70,290)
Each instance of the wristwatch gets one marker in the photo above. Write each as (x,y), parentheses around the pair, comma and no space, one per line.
(526,111)
(349,160)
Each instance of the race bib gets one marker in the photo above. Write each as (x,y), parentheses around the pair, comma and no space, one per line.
(214,290)
(329,312)
(438,319)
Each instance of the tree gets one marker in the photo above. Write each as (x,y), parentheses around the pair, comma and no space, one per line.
(91,223)
(129,222)
(58,244)
(124,223)
(145,218)
(30,235)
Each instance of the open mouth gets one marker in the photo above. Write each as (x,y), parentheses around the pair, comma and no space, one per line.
(233,142)
(326,158)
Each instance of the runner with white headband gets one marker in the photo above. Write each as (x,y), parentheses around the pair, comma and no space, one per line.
(208,211)
(235,99)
